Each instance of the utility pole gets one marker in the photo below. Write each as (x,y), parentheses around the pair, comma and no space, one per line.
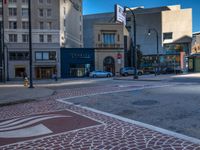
(134,51)
(30,45)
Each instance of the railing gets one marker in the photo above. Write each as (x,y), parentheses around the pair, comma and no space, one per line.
(109,46)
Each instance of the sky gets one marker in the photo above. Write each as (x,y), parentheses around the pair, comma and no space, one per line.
(100,6)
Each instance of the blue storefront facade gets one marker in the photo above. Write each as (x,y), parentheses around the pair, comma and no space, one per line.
(77,62)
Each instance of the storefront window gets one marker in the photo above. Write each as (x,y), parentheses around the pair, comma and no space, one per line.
(45,55)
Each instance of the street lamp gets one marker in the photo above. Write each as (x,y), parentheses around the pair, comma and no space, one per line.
(30,44)
(135,50)
(157,48)
(7,64)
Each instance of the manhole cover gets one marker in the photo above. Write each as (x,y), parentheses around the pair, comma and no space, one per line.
(145,102)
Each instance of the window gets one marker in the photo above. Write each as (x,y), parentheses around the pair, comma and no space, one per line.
(12,11)
(49,38)
(25,25)
(45,55)
(41,25)
(167,36)
(48,1)
(24,1)
(12,1)
(41,37)
(0,11)
(41,12)
(24,12)
(64,10)
(19,71)
(49,12)
(128,19)
(108,38)
(25,38)
(12,25)
(41,1)
(12,37)
(19,55)
(118,37)
(49,25)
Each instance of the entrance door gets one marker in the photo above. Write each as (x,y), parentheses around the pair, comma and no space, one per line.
(45,72)
(197,65)
(109,64)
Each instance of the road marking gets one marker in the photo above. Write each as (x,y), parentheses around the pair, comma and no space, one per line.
(37,130)
(151,127)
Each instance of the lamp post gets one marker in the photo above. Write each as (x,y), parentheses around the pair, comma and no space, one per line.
(134,42)
(157,49)
(2,42)
(7,64)
(30,44)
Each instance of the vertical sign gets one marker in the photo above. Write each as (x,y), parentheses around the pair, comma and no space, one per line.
(120,15)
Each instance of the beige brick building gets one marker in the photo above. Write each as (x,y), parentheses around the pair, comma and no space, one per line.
(172,23)
(109,41)
(52,28)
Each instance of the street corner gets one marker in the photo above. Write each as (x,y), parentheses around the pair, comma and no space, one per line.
(12,95)
(41,125)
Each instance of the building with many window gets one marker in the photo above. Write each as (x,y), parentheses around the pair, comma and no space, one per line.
(52,28)
(171,24)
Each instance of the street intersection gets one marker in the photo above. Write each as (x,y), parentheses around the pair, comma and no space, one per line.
(59,121)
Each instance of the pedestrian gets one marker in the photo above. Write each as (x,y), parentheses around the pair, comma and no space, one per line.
(155,71)
(24,75)
(54,76)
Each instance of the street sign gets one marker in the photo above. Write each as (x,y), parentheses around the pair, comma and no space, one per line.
(120,15)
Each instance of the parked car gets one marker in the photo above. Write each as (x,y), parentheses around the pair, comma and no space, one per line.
(130,71)
(171,71)
(96,74)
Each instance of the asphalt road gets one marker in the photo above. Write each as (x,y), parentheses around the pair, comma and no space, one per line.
(175,107)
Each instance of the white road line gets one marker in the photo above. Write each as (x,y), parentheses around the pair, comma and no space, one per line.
(151,127)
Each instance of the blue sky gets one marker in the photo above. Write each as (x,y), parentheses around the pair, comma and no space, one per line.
(99,6)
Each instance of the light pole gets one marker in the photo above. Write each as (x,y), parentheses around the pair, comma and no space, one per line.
(157,49)
(7,64)
(134,42)
(30,44)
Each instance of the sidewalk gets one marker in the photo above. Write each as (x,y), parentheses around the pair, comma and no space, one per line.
(10,95)
(150,77)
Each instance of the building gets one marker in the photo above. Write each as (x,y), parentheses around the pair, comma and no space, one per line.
(77,62)
(110,42)
(194,58)
(52,28)
(174,33)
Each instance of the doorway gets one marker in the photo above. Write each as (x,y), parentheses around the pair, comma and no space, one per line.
(109,64)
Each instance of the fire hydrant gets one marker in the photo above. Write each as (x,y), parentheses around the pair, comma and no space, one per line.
(26,82)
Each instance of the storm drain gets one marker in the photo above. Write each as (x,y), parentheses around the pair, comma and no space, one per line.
(145,102)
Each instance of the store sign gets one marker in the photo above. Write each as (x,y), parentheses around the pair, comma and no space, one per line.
(120,15)
(80,55)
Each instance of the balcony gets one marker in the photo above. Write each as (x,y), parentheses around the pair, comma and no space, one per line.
(109,45)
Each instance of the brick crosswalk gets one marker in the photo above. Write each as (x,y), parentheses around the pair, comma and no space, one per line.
(112,133)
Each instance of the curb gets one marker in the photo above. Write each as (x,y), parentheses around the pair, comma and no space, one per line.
(151,127)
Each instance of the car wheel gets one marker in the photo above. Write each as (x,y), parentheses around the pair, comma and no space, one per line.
(139,73)
(108,75)
(94,76)
(126,74)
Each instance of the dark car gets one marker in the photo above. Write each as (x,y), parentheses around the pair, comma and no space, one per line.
(129,71)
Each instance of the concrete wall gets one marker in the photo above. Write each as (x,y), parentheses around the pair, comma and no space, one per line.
(179,22)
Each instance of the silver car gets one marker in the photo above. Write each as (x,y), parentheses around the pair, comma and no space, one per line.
(96,74)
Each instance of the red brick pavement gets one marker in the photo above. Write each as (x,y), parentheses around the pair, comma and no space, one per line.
(112,134)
